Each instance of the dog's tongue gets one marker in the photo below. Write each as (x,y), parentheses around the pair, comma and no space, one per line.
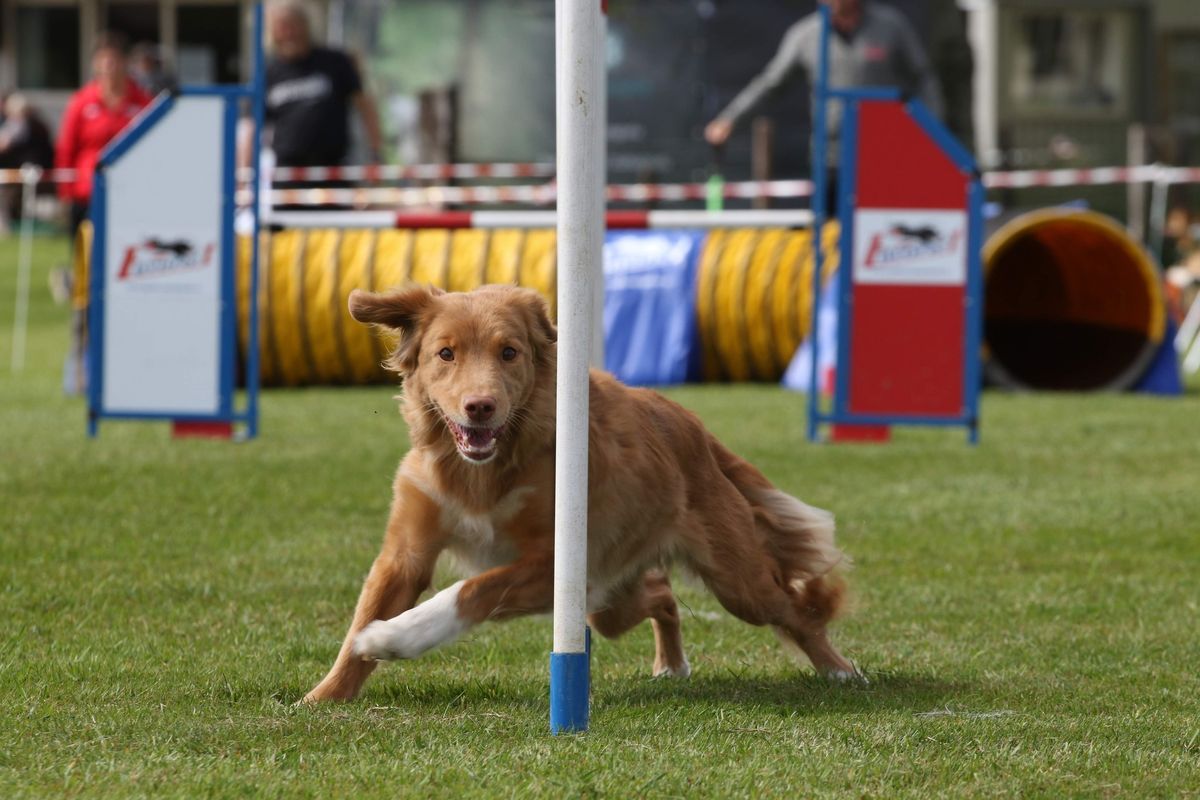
(477,443)
(479,438)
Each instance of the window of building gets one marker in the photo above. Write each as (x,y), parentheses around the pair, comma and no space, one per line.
(1071,62)
(137,22)
(207,50)
(1181,57)
(48,55)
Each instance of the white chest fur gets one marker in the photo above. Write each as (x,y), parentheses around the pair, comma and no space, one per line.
(477,541)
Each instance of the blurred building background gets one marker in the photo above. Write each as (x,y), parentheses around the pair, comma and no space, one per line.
(1028,83)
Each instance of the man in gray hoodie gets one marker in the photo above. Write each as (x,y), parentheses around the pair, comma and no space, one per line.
(870,45)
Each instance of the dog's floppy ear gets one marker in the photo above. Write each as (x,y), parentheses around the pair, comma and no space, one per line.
(542,330)
(398,309)
(401,311)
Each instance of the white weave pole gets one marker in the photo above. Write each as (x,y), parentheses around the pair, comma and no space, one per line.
(601,106)
(579,133)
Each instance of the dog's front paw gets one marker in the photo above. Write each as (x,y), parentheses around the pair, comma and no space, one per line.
(845,677)
(422,627)
(376,642)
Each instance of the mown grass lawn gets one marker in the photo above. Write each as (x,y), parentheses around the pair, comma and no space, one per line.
(1026,612)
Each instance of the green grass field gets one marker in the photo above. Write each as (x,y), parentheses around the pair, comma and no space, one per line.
(1026,612)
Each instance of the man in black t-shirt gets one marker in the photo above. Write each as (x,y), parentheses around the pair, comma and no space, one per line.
(309,93)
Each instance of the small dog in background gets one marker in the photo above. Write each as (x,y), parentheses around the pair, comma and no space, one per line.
(479,398)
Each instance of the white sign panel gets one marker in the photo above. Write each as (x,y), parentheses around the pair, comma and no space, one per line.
(910,247)
(163,281)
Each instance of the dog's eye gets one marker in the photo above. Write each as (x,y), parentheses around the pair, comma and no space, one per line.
(508,354)
(446,354)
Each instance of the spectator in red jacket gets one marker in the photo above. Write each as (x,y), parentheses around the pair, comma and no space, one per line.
(94,116)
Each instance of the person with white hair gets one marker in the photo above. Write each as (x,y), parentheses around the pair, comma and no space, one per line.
(24,136)
(310,90)
(24,140)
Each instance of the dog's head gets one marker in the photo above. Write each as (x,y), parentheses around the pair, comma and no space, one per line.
(471,361)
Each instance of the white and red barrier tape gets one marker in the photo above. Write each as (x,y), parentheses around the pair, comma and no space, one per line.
(371,173)
(37,175)
(412,172)
(366,172)
(791,188)
(544,194)
(641,192)
(614,220)
(1150,173)
(675,192)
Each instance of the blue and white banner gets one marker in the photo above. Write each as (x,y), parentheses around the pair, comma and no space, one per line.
(650,336)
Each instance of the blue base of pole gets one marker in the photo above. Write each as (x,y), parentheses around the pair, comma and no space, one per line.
(570,681)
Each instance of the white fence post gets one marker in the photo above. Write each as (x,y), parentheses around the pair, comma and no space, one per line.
(30,176)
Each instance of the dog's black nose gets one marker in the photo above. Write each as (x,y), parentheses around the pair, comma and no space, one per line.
(480,409)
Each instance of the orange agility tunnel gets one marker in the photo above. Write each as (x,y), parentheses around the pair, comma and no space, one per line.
(1072,302)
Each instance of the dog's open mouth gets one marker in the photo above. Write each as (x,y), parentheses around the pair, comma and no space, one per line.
(475,442)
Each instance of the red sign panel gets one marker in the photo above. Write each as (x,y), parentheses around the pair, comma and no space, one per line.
(908,271)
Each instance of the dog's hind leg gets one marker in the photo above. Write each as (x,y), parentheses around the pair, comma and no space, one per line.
(651,597)
(739,568)
(669,658)
(814,603)
(766,600)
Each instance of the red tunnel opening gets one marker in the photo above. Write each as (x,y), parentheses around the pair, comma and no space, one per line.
(1072,303)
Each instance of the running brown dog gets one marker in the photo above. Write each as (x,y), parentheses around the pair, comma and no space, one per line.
(479,385)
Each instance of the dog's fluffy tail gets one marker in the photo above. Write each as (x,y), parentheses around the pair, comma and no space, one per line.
(800,536)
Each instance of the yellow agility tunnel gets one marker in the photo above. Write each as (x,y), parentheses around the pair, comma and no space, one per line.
(1072,302)
(307,336)
(754,297)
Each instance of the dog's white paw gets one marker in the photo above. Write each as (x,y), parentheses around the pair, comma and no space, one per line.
(421,628)
(847,677)
(372,642)
(683,671)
